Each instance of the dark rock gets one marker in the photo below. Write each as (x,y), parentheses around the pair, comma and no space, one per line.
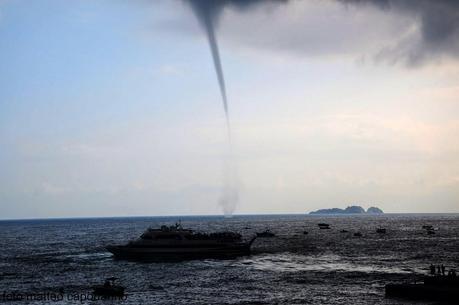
(328,211)
(355,209)
(374,210)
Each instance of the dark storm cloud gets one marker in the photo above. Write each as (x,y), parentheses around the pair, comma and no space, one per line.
(439,27)
(435,24)
(213,8)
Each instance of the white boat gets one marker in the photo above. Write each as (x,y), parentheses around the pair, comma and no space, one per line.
(175,242)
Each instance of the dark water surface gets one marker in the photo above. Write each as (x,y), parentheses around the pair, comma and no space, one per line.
(323,267)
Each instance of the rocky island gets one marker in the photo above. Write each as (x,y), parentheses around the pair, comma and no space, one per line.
(354,209)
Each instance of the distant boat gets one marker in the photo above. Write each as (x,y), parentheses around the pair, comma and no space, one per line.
(381,231)
(305,232)
(358,234)
(109,288)
(430,232)
(427,227)
(344,231)
(176,243)
(324,226)
(266,233)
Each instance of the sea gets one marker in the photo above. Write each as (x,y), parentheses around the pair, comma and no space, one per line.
(57,261)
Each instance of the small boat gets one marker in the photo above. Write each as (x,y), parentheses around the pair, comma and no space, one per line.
(109,288)
(381,231)
(266,233)
(430,232)
(305,232)
(323,226)
(344,231)
(358,234)
(427,227)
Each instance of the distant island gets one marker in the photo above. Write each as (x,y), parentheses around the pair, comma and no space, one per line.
(354,209)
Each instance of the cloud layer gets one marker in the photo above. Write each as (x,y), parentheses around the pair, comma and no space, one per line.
(403,31)
(437,31)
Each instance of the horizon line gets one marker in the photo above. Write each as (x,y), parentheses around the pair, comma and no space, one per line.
(221,215)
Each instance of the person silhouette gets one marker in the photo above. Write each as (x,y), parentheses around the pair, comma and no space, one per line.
(432,269)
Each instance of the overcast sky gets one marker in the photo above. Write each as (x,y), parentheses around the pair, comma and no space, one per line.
(112,108)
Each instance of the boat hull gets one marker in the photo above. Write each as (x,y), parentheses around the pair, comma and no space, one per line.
(422,292)
(108,291)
